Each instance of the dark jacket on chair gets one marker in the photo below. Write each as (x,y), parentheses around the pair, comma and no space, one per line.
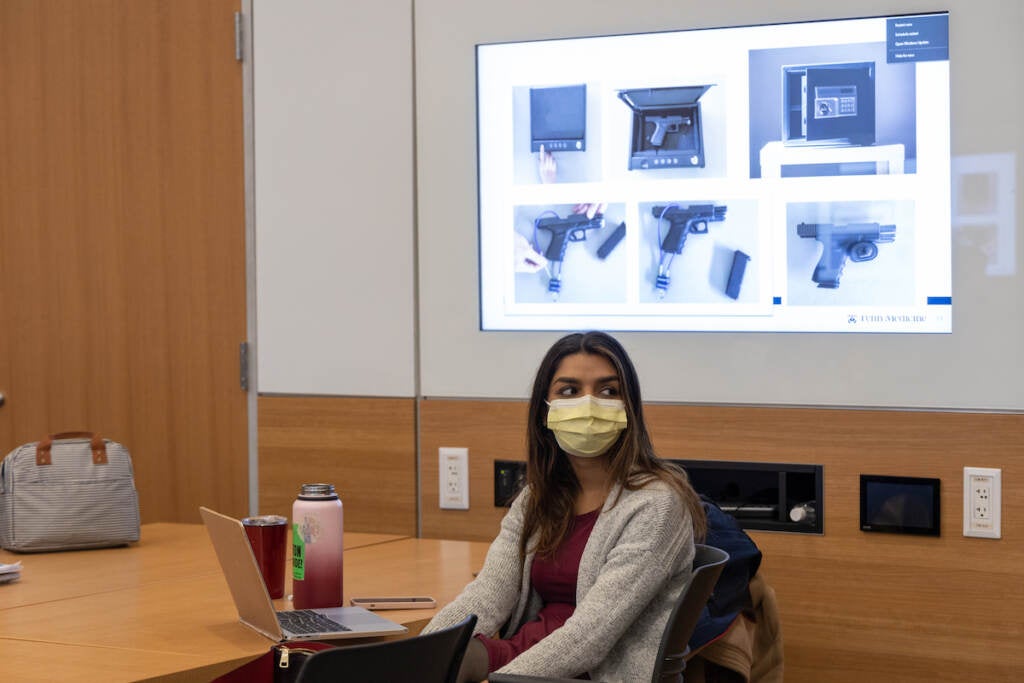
(732,593)
(739,636)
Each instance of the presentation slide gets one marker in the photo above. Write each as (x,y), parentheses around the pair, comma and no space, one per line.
(790,177)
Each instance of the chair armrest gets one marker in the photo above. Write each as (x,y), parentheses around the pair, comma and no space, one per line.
(516,678)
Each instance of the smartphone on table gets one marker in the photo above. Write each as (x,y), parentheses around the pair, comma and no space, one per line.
(396,602)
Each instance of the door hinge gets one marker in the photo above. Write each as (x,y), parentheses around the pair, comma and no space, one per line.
(238,36)
(243,365)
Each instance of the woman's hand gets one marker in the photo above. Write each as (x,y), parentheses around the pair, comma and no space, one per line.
(547,166)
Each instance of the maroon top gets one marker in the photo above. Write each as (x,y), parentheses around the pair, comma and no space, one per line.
(554,579)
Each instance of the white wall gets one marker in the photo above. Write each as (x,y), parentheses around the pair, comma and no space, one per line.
(334,197)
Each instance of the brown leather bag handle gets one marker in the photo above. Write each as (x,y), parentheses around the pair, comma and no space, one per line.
(99,447)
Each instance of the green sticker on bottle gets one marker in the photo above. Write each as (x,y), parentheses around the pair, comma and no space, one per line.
(298,554)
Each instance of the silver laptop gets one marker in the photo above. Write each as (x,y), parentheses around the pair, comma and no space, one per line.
(255,608)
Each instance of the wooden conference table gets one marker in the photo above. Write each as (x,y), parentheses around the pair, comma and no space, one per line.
(161,609)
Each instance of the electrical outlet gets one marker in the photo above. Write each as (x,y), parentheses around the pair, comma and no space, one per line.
(983,502)
(453,466)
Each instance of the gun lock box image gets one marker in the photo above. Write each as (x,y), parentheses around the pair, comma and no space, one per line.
(828,104)
(666,127)
(558,118)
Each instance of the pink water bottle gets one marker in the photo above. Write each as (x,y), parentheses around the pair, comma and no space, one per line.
(317,547)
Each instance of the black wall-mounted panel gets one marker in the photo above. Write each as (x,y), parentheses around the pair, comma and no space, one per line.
(763,496)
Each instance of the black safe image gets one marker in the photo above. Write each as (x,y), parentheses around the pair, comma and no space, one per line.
(666,127)
(828,104)
(558,118)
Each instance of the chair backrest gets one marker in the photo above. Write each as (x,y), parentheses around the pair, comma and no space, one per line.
(708,563)
(432,658)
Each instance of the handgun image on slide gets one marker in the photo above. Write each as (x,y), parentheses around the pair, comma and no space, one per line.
(664,125)
(683,222)
(667,127)
(572,228)
(858,241)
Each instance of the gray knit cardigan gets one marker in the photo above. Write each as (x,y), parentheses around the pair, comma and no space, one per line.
(633,569)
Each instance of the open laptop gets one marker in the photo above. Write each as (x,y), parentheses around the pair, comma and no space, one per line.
(255,608)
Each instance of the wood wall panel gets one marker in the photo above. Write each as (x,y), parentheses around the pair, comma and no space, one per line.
(366,447)
(855,606)
(491,430)
(122,239)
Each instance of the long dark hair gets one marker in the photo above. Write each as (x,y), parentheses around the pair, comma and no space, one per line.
(633,463)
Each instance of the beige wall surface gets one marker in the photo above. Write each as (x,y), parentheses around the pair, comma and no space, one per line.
(335,244)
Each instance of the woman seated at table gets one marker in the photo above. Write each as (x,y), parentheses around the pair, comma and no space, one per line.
(597,548)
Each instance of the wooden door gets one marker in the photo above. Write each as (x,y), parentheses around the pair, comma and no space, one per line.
(122,259)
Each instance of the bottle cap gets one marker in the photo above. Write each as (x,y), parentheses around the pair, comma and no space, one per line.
(318,491)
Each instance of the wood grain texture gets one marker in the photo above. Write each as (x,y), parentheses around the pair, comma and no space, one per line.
(491,430)
(122,232)
(366,447)
(158,621)
(164,551)
(81,662)
(855,606)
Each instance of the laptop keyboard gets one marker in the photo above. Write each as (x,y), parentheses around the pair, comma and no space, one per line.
(306,621)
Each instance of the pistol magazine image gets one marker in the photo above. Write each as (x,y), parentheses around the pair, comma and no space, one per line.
(572,228)
(858,241)
(682,222)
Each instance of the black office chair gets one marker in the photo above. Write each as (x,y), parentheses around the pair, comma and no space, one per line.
(432,658)
(708,564)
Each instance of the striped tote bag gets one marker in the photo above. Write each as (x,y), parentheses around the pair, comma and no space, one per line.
(68,491)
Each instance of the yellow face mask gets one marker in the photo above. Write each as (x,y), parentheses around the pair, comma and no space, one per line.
(586,426)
